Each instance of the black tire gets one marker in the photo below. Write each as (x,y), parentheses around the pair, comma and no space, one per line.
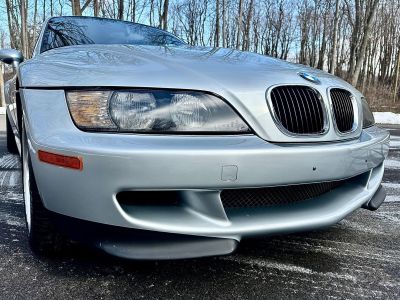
(42,235)
(11,143)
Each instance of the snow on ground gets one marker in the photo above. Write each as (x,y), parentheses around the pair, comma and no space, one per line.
(2,110)
(387,118)
(392,164)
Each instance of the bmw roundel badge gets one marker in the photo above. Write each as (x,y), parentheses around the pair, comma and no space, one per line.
(309,78)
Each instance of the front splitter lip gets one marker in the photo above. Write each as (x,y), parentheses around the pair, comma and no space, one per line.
(136,244)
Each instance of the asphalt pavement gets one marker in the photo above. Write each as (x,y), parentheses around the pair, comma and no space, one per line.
(359,258)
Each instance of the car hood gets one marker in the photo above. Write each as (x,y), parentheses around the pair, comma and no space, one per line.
(242,78)
(200,68)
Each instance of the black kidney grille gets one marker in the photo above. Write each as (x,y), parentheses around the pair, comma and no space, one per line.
(342,109)
(276,195)
(298,108)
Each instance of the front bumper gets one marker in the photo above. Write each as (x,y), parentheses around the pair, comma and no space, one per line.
(196,167)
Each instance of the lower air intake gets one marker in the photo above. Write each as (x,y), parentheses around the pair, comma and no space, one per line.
(276,195)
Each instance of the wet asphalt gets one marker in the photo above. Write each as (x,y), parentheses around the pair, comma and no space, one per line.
(359,258)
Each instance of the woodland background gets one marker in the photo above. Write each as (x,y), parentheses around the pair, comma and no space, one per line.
(357,40)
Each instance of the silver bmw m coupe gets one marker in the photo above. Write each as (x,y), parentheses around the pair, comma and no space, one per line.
(141,146)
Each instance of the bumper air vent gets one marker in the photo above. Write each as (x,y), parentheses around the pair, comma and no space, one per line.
(276,195)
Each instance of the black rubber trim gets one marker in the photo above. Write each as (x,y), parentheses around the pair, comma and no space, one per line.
(136,244)
(376,200)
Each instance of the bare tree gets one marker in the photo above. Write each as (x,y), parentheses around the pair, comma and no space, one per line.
(96,8)
(121,9)
(24,28)
(223,23)
(76,7)
(354,39)
(335,37)
(397,77)
(164,16)
(216,40)
(248,25)
(239,32)
(371,10)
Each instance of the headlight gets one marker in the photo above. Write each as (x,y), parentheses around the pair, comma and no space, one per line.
(368,116)
(153,111)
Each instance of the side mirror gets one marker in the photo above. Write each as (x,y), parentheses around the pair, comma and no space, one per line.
(11,57)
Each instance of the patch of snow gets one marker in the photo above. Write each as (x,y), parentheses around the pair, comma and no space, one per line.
(287,267)
(361,227)
(2,110)
(392,198)
(387,118)
(11,220)
(9,161)
(13,179)
(394,144)
(390,216)
(393,186)
(392,164)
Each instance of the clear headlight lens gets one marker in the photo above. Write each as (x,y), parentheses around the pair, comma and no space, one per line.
(153,111)
(368,116)
(133,110)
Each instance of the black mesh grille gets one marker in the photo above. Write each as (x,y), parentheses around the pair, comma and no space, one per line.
(276,195)
(298,108)
(343,109)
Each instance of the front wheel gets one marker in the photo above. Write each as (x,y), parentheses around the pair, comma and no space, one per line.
(42,235)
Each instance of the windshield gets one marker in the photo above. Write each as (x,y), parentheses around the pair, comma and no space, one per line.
(68,31)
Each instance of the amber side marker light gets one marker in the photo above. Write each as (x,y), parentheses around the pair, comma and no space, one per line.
(61,160)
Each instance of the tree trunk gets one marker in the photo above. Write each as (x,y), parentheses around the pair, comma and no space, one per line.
(223,24)
(335,37)
(354,36)
(121,9)
(134,11)
(367,32)
(165,15)
(239,33)
(249,16)
(96,8)
(13,42)
(24,28)
(34,19)
(151,12)
(76,8)
(314,35)
(216,37)
(397,77)
(320,64)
